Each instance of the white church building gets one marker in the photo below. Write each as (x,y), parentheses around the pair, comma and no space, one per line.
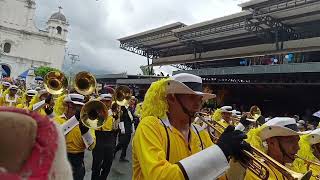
(23,45)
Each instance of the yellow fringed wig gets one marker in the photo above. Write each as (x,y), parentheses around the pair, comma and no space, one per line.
(156,93)
(306,152)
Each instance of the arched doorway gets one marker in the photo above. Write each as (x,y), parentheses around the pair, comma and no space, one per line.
(5,70)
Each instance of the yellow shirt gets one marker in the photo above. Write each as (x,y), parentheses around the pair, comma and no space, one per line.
(5,101)
(150,149)
(74,139)
(107,126)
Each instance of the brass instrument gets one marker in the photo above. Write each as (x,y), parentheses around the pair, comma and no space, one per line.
(94,114)
(254,112)
(258,162)
(122,95)
(55,82)
(309,163)
(85,83)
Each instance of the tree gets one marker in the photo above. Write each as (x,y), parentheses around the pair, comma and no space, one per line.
(43,70)
(147,70)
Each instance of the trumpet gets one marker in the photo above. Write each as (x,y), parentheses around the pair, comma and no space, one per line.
(258,161)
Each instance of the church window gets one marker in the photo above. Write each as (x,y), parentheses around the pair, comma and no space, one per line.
(7,47)
(59,30)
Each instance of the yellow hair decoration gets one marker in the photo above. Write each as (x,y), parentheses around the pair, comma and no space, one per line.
(138,109)
(155,102)
(304,152)
(217,115)
(255,140)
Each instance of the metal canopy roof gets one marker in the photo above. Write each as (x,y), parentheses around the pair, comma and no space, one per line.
(262,22)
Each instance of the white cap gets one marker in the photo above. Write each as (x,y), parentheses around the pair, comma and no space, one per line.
(7,84)
(75,99)
(31,92)
(13,87)
(106,97)
(226,109)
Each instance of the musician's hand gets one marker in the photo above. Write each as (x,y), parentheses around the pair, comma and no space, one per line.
(48,99)
(48,110)
(231,142)
(244,121)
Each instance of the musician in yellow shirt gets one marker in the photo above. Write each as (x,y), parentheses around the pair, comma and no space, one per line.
(281,136)
(11,99)
(26,99)
(309,150)
(105,143)
(41,102)
(167,145)
(4,86)
(78,137)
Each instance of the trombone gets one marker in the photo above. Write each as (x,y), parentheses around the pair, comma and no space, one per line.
(309,163)
(258,161)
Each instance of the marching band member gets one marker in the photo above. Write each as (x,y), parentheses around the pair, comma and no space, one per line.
(167,145)
(281,139)
(4,87)
(43,103)
(78,137)
(26,99)
(126,129)
(11,99)
(38,151)
(105,144)
(309,150)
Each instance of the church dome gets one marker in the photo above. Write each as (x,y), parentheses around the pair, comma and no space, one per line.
(58,16)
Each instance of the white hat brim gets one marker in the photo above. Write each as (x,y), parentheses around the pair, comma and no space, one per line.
(77,103)
(274,131)
(314,136)
(176,87)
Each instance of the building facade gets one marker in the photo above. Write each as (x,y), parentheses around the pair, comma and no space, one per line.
(23,45)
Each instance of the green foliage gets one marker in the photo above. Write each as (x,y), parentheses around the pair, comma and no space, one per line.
(43,70)
(147,70)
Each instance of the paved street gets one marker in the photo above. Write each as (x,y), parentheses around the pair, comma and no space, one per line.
(119,170)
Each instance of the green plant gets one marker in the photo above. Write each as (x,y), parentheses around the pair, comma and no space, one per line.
(43,70)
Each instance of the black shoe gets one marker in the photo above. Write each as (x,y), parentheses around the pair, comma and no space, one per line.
(123,160)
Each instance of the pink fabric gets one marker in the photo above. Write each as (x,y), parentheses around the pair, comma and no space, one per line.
(39,163)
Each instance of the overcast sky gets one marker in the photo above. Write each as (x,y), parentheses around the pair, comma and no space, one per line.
(95,26)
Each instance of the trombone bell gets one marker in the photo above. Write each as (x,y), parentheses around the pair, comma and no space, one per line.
(85,83)
(55,82)
(94,114)
(122,95)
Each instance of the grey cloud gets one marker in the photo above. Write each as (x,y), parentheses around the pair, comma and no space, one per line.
(95,26)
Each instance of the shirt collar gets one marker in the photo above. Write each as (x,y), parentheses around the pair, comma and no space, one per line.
(166,122)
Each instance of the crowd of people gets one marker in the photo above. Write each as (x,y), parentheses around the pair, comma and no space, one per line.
(173,136)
